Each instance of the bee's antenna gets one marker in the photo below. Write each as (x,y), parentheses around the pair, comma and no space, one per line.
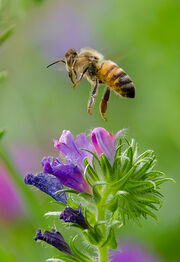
(61,60)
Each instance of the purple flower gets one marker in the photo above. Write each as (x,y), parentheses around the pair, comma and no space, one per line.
(70,148)
(55,239)
(74,216)
(104,142)
(131,252)
(68,175)
(48,184)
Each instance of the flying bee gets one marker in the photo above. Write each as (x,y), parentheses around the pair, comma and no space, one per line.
(91,64)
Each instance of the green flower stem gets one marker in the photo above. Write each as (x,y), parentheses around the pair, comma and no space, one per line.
(102,254)
(30,200)
(101,217)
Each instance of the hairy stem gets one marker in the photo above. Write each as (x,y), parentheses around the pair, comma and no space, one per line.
(101,217)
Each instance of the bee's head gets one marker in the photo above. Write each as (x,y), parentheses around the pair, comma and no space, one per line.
(68,59)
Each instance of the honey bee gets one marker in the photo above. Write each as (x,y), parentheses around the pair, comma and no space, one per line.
(90,64)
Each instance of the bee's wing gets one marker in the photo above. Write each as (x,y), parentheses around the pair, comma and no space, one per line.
(119,55)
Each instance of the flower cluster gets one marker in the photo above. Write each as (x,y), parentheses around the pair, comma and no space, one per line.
(103,182)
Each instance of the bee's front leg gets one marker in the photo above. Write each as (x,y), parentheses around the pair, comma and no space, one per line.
(70,74)
(93,95)
(80,77)
(103,104)
(75,73)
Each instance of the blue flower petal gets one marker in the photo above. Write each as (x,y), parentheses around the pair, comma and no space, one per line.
(54,238)
(48,184)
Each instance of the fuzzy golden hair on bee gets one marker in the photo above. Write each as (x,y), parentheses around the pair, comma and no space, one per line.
(90,64)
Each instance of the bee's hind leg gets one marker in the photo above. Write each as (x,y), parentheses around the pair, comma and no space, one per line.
(103,104)
(93,95)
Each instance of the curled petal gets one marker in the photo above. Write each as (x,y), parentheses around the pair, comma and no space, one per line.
(103,142)
(68,175)
(54,238)
(74,216)
(48,184)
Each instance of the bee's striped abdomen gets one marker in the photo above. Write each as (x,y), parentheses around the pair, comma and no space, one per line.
(117,79)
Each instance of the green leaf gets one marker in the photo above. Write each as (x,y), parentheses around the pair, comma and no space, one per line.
(2,132)
(112,203)
(142,208)
(155,174)
(86,196)
(160,181)
(64,258)
(91,237)
(96,193)
(6,34)
(106,168)
(52,213)
(90,217)
(141,185)
(111,240)
(148,198)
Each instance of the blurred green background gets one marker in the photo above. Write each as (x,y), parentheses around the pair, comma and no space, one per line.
(36,103)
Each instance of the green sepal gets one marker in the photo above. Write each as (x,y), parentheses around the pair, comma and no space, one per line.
(71,203)
(111,240)
(95,190)
(147,153)
(127,159)
(120,183)
(119,148)
(2,132)
(86,196)
(87,178)
(94,155)
(6,34)
(91,172)
(67,190)
(117,168)
(106,168)
(142,170)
